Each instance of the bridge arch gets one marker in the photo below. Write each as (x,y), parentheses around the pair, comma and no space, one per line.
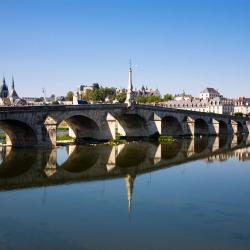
(18,133)
(171,126)
(132,155)
(132,125)
(81,159)
(170,151)
(200,127)
(16,162)
(200,144)
(81,127)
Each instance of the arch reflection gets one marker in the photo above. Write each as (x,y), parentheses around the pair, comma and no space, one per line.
(33,167)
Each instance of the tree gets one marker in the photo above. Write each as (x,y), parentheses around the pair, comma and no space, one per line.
(121,97)
(141,99)
(96,86)
(168,97)
(40,99)
(99,94)
(88,95)
(148,99)
(69,96)
(238,114)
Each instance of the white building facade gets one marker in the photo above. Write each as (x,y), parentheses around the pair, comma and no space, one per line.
(209,93)
(242,105)
(209,101)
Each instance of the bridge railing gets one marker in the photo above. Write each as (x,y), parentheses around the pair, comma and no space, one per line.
(59,107)
(190,112)
(47,108)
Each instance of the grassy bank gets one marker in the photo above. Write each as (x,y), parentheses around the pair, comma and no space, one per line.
(114,142)
(166,139)
(117,141)
(64,138)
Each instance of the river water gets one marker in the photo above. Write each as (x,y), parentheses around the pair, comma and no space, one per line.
(189,194)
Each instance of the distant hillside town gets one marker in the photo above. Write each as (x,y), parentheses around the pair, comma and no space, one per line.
(209,100)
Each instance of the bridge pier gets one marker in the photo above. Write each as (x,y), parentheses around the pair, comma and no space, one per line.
(51,166)
(155,126)
(72,133)
(214,127)
(234,141)
(112,125)
(111,163)
(189,127)
(248,126)
(51,127)
(216,144)
(158,154)
(234,127)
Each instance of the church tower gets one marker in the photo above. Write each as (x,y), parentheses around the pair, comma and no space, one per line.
(4,91)
(13,94)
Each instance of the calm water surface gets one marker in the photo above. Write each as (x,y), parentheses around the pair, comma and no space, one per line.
(191,194)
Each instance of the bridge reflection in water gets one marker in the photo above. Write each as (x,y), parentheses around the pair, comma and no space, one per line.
(23,168)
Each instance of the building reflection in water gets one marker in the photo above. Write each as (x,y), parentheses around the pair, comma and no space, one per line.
(20,168)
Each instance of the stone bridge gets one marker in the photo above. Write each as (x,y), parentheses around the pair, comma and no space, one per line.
(37,125)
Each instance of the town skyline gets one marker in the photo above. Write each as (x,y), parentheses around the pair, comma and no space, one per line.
(176,45)
(136,86)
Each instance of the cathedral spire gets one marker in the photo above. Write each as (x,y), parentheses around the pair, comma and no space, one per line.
(13,94)
(4,82)
(4,92)
(130,93)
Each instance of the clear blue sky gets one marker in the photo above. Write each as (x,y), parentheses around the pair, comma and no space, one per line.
(176,44)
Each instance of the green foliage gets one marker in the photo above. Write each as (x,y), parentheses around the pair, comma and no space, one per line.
(64,138)
(96,86)
(121,97)
(148,99)
(166,139)
(238,114)
(118,139)
(69,96)
(55,103)
(88,95)
(3,138)
(114,142)
(168,97)
(99,94)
